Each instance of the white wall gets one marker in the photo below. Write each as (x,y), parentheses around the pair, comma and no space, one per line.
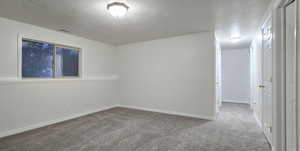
(256,79)
(218,76)
(30,104)
(175,75)
(236,75)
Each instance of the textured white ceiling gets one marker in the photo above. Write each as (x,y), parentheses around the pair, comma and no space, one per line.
(146,19)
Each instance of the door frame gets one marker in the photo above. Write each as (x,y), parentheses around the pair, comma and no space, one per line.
(290,88)
(298,73)
(279,85)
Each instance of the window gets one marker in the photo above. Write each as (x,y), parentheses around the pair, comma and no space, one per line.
(47,60)
(66,62)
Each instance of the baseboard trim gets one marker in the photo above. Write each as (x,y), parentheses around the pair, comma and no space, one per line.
(47,123)
(234,101)
(257,121)
(211,118)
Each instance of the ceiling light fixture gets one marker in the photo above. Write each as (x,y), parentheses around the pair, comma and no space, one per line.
(117,9)
(235,39)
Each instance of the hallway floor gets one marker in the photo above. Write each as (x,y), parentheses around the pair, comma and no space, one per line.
(121,129)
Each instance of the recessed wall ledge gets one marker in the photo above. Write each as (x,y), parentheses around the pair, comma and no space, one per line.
(16,80)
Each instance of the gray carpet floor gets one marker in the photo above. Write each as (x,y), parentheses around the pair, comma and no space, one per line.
(121,129)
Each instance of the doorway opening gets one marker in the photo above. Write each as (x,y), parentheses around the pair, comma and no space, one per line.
(233,92)
(245,82)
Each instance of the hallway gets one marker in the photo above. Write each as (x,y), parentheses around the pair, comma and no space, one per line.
(237,123)
(122,129)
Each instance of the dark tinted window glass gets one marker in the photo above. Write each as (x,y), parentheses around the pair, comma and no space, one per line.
(67,62)
(37,59)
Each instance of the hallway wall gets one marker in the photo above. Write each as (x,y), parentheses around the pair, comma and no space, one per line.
(174,75)
(236,75)
(256,92)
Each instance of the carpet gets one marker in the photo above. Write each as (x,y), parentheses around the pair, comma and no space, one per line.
(122,129)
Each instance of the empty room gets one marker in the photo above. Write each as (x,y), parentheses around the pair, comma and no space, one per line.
(149,75)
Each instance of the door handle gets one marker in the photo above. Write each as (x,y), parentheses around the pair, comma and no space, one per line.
(261,86)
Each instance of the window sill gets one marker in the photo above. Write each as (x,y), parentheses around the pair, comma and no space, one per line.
(5,81)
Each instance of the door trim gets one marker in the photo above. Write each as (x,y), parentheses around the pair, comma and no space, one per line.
(298,74)
(291,130)
(279,88)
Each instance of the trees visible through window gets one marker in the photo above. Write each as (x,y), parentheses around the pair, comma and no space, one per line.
(46,60)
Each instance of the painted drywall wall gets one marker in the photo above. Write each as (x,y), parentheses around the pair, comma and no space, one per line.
(236,75)
(174,75)
(256,77)
(30,104)
(218,76)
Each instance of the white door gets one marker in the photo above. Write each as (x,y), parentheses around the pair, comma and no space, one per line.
(267,79)
(290,22)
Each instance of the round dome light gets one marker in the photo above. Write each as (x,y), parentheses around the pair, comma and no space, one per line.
(117,9)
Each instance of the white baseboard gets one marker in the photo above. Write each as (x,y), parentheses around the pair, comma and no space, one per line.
(257,121)
(211,118)
(43,124)
(235,101)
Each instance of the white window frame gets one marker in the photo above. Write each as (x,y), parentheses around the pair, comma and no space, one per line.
(29,38)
